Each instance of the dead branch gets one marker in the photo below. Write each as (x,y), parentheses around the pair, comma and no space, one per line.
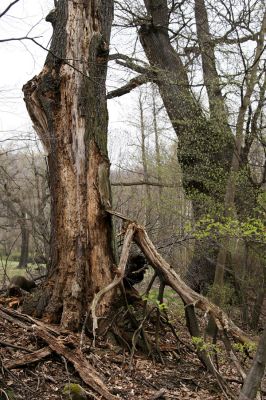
(49,335)
(13,346)
(29,358)
(85,370)
(8,8)
(233,357)
(189,296)
(172,279)
(140,183)
(119,277)
(132,84)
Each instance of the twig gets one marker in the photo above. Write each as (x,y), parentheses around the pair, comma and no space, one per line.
(8,7)
(120,275)
(5,344)
(29,358)
(5,393)
(134,338)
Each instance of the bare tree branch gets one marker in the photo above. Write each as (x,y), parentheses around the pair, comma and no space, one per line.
(8,7)
(140,183)
(132,84)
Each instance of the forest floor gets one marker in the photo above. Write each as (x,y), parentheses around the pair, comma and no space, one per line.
(176,374)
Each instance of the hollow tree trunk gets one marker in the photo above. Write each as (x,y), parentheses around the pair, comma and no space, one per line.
(67,104)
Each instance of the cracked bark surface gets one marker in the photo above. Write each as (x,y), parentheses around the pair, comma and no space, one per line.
(67,105)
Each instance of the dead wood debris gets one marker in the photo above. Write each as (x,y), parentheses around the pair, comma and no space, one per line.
(82,366)
(190,298)
(69,347)
(29,358)
(48,376)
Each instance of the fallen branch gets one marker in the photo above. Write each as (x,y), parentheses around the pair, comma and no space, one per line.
(29,358)
(14,346)
(87,373)
(51,337)
(172,279)
(189,296)
(119,276)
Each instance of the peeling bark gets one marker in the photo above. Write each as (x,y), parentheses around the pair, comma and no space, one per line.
(67,104)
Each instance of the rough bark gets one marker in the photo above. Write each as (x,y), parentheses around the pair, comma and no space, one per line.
(205,149)
(218,114)
(211,78)
(67,104)
(230,193)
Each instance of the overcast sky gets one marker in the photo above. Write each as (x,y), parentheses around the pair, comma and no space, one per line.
(20,60)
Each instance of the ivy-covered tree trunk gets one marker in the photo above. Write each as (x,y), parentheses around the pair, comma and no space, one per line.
(205,146)
(67,104)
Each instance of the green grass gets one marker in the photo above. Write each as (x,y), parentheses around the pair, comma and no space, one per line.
(12,270)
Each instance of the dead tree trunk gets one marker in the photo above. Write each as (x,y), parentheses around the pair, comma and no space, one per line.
(67,104)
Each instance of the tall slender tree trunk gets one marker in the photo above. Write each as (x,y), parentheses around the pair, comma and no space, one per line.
(255,375)
(230,194)
(157,158)
(25,236)
(67,104)
(144,163)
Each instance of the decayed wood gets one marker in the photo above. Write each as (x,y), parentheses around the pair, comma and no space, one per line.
(29,358)
(67,105)
(119,277)
(25,321)
(51,336)
(189,296)
(11,319)
(171,278)
(85,370)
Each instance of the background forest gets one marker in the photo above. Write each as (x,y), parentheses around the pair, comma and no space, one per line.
(185,88)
